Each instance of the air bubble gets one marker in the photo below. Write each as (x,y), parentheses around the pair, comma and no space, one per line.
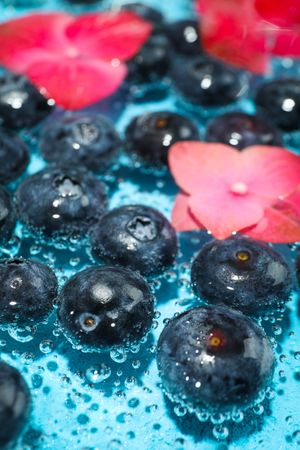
(258,409)
(237,416)
(297,356)
(118,355)
(27,358)
(220,432)
(22,334)
(202,416)
(180,411)
(46,346)
(130,382)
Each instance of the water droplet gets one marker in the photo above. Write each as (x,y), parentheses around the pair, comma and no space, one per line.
(98,374)
(220,432)
(46,346)
(180,411)
(118,355)
(22,334)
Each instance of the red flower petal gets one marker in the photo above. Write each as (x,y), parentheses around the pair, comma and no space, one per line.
(280,225)
(75,83)
(109,35)
(232,33)
(271,171)
(195,162)
(23,39)
(224,213)
(182,218)
(281,13)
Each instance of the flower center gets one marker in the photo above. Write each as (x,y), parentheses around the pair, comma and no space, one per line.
(239,188)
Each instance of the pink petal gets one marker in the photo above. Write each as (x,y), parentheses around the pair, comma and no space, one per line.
(23,40)
(109,35)
(280,224)
(76,83)
(240,42)
(195,163)
(182,218)
(270,171)
(224,213)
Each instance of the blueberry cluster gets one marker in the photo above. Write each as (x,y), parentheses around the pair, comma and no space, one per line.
(211,358)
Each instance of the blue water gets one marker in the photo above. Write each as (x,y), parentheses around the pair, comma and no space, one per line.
(83,401)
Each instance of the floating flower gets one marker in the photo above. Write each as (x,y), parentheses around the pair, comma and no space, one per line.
(75,60)
(225,191)
(246,32)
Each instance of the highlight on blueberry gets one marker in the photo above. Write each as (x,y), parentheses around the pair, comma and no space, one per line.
(28,289)
(207,82)
(135,236)
(21,103)
(14,404)
(102,308)
(151,135)
(185,37)
(279,100)
(7,215)
(61,202)
(241,130)
(80,139)
(214,359)
(14,156)
(242,273)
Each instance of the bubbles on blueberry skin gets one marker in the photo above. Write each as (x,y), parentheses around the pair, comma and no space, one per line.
(143,239)
(80,139)
(214,360)
(27,291)
(106,309)
(21,103)
(150,136)
(244,274)
(60,202)
(207,82)
(14,403)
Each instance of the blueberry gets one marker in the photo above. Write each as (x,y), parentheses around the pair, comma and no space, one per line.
(21,103)
(207,82)
(279,100)
(27,291)
(185,36)
(102,308)
(153,60)
(61,202)
(7,216)
(80,139)
(242,273)
(14,156)
(14,404)
(214,359)
(144,11)
(142,239)
(151,135)
(242,130)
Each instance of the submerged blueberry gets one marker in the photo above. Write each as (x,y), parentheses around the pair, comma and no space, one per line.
(61,202)
(27,291)
(14,156)
(137,237)
(207,82)
(279,100)
(80,139)
(243,274)
(21,103)
(242,130)
(14,404)
(144,11)
(153,60)
(105,307)
(185,36)
(7,215)
(214,359)
(151,135)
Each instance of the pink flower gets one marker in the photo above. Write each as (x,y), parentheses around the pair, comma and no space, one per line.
(225,191)
(75,60)
(247,32)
